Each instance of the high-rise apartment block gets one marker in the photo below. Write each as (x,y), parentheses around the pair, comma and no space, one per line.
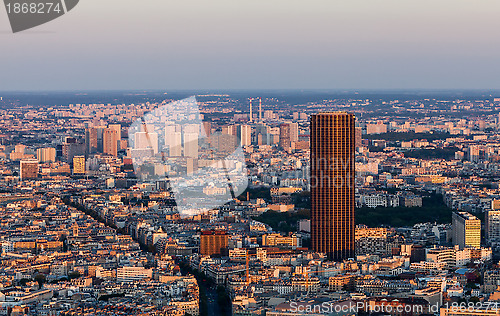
(289,133)
(285,136)
(79,165)
(18,153)
(93,140)
(28,169)
(118,129)
(110,141)
(245,135)
(213,242)
(46,154)
(474,153)
(466,230)
(70,150)
(493,226)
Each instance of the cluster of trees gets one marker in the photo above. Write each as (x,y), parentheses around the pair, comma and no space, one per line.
(284,222)
(433,210)
(447,153)
(254,193)
(407,136)
(108,296)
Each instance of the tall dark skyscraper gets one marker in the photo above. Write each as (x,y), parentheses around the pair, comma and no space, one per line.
(332,184)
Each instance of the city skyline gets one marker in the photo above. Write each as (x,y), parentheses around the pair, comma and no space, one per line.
(236,158)
(86,205)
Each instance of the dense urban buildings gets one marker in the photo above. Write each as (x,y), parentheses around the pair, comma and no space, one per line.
(86,230)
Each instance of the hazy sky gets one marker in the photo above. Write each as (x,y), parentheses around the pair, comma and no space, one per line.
(255,44)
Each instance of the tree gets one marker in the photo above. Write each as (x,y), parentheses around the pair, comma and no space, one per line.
(40,279)
(23,281)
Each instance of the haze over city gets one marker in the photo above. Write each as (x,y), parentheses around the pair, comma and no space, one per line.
(279,44)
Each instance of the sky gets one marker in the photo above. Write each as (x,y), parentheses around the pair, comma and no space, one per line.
(257,44)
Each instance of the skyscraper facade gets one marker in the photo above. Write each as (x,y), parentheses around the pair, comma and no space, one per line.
(71,150)
(474,153)
(28,169)
(118,129)
(230,130)
(294,132)
(332,184)
(110,141)
(289,133)
(245,135)
(79,165)
(466,230)
(492,227)
(213,242)
(285,136)
(93,140)
(46,154)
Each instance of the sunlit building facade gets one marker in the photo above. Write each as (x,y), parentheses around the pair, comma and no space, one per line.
(332,184)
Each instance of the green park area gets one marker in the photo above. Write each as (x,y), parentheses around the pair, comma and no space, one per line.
(433,210)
